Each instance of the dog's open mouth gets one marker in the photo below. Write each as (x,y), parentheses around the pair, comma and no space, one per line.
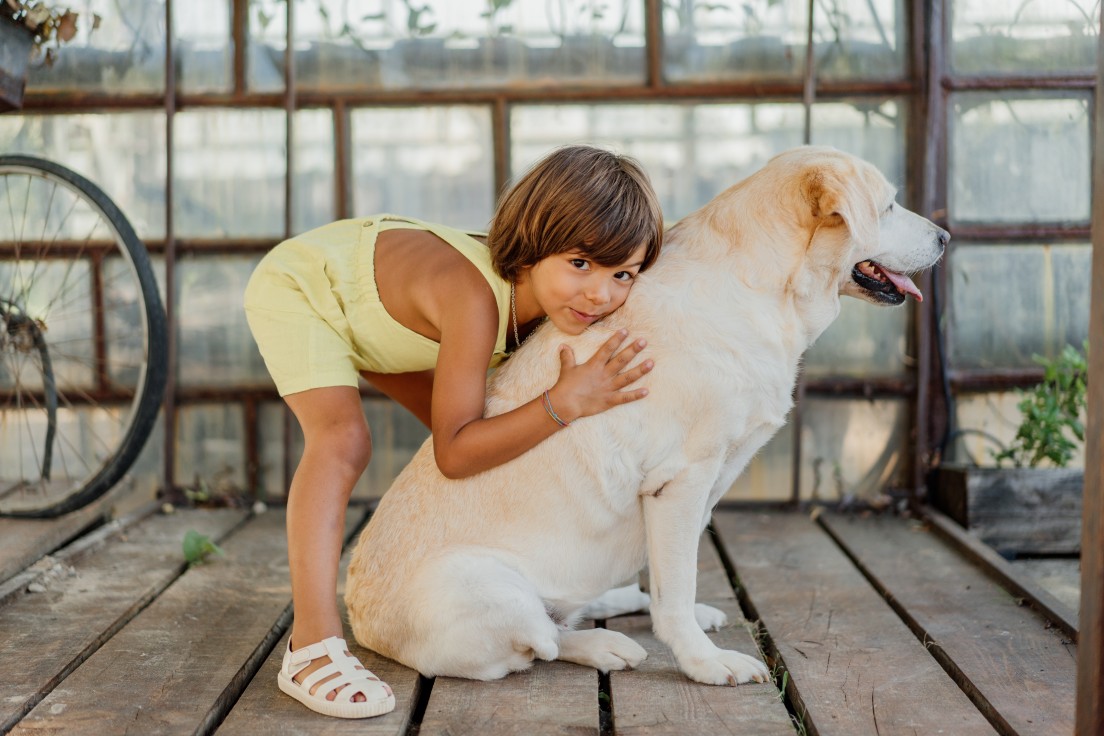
(883,284)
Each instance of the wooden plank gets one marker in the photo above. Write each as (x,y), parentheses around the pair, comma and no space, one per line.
(59,564)
(28,540)
(263,709)
(1018,671)
(549,698)
(1000,570)
(51,633)
(658,700)
(854,667)
(181,664)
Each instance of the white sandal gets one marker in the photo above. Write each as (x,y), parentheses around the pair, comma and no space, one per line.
(351,679)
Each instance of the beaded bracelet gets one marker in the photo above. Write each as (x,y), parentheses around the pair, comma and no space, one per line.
(552,412)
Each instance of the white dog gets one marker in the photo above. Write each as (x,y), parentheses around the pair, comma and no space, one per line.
(478,577)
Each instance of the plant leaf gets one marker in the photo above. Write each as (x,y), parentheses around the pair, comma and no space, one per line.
(197,547)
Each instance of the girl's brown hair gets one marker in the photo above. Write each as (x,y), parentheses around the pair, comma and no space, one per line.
(578,198)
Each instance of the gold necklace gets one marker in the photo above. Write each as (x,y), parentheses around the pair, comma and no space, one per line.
(518,342)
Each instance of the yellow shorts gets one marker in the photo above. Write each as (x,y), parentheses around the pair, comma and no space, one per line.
(298,322)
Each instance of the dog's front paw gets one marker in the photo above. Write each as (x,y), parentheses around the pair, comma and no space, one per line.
(726,667)
(709,618)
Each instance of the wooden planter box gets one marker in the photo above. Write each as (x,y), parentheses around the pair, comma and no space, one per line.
(15,53)
(1014,510)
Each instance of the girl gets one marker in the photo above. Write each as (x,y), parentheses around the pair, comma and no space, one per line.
(421,311)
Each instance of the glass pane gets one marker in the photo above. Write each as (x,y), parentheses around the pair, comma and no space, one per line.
(769,475)
(433,163)
(267,42)
(864,342)
(870,129)
(398,44)
(216,347)
(122,153)
(126,54)
(270,438)
(986,423)
(210,449)
(229,168)
(751,40)
(1023,159)
(1009,302)
(994,37)
(123,322)
(147,472)
(313,187)
(691,152)
(860,39)
(852,448)
(203,46)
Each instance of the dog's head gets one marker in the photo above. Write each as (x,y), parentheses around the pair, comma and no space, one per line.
(867,242)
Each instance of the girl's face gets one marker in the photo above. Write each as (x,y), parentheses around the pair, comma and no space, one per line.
(575,292)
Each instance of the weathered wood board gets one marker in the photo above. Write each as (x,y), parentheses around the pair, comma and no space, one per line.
(854,667)
(49,634)
(1021,673)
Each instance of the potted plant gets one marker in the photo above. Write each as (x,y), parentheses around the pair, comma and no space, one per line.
(1033,506)
(29,29)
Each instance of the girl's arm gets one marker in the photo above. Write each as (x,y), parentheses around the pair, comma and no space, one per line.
(466,443)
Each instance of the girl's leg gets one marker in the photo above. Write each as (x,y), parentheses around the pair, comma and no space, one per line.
(338,447)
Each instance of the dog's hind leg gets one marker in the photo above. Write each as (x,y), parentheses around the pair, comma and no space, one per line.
(616,602)
(631,599)
(602,649)
(480,619)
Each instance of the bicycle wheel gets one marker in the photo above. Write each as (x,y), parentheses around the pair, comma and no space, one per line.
(83,344)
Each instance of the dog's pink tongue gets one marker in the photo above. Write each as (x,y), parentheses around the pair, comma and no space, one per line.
(903,283)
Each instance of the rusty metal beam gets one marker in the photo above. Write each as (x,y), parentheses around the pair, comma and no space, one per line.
(725,91)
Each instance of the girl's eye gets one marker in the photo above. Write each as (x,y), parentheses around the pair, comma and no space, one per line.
(624,275)
(579,263)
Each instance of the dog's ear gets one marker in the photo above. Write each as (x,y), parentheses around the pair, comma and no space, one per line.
(848,196)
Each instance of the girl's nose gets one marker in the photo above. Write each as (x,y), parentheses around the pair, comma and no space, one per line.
(598,292)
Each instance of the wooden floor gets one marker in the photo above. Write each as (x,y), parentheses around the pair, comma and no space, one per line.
(872,625)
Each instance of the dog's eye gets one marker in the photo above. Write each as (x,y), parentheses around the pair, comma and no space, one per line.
(889,208)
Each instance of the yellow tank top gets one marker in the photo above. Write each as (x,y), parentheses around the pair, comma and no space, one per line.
(347,248)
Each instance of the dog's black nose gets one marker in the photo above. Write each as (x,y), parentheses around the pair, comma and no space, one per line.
(944,238)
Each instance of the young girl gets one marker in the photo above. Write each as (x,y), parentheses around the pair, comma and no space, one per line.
(421,311)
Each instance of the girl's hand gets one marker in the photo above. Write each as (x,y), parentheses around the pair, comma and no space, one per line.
(596,385)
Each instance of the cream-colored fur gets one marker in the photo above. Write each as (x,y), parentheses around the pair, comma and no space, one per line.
(477,577)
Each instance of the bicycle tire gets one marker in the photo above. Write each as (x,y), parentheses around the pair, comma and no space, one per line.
(150,387)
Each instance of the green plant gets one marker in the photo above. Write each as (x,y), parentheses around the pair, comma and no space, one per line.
(197,547)
(1051,428)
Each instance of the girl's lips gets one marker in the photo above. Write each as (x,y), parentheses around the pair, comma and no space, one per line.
(584,317)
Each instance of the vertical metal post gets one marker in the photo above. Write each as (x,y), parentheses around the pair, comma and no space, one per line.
(168,470)
(653,43)
(1090,646)
(808,98)
(289,109)
(500,135)
(928,169)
